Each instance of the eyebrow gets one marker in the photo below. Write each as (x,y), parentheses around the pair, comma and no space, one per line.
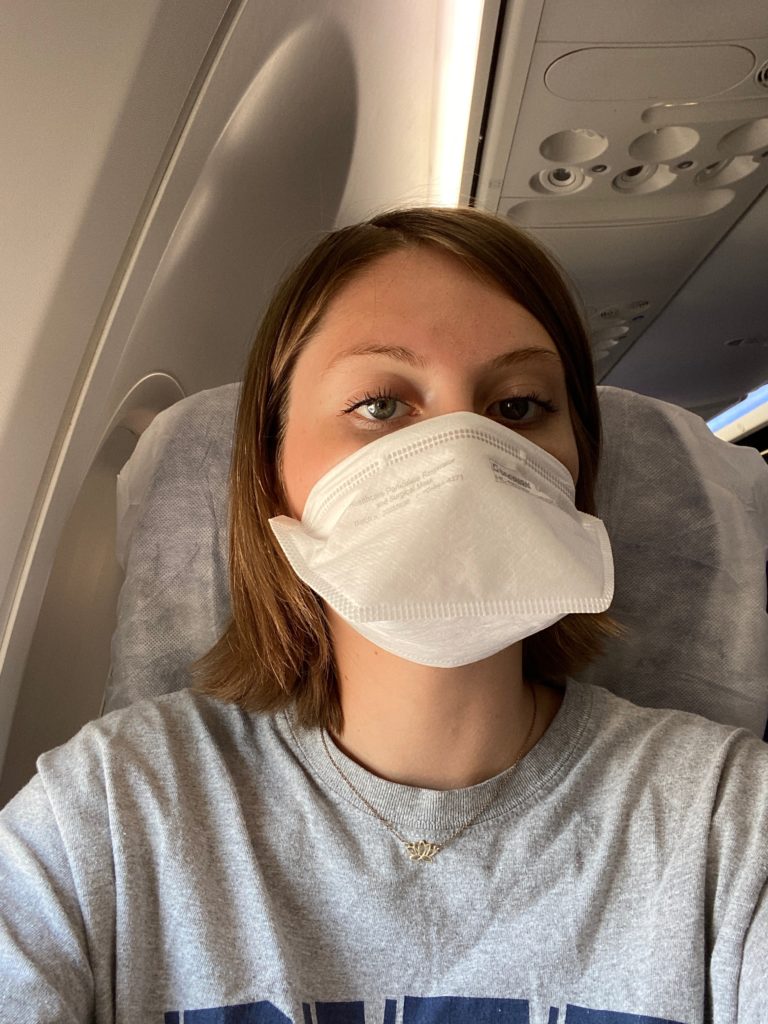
(405,355)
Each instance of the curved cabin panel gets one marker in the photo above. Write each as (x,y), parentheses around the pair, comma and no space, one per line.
(213,147)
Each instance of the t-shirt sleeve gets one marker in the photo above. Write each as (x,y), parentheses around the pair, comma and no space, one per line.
(45,973)
(753,984)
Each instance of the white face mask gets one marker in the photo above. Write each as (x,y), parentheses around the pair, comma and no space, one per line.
(447,541)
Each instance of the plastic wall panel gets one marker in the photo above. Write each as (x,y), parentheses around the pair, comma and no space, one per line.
(91,92)
(240,203)
(309,117)
(50,708)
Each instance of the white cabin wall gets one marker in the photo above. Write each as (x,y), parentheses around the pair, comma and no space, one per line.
(78,79)
(300,118)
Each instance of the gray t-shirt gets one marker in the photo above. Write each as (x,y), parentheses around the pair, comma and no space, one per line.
(185,862)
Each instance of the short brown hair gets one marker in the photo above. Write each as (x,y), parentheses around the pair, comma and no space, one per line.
(277,649)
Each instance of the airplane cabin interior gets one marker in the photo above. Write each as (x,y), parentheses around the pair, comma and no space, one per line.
(165,163)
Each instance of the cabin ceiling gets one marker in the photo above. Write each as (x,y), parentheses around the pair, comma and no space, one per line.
(632,140)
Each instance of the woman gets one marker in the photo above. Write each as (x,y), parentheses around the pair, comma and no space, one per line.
(388,800)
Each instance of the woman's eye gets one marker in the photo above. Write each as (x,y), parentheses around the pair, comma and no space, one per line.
(381,407)
(384,407)
(514,409)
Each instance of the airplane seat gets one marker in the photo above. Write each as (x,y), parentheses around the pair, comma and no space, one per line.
(171,542)
(686,512)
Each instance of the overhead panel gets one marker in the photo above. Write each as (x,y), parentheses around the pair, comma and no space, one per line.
(629,153)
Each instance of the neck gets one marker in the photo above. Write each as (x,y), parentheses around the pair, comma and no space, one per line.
(435,728)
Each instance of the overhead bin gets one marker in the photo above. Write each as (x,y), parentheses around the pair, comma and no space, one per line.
(640,131)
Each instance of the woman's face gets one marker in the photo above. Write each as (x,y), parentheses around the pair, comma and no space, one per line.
(416,335)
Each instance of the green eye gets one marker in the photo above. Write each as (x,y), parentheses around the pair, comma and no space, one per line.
(381,406)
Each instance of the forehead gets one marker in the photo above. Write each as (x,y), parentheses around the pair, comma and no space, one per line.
(426,296)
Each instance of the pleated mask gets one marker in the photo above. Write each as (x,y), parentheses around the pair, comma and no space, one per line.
(446,541)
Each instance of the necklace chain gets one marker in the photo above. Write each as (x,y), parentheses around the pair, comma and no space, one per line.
(421,849)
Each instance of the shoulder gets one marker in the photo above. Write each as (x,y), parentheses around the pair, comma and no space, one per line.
(140,723)
(153,742)
(691,765)
(699,776)
(150,770)
(671,737)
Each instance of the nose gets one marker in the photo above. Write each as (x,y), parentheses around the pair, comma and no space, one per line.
(458,399)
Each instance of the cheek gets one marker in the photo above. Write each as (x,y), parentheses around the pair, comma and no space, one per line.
(308,449)
(296,469)
(565,450)
(307,454)
(572,461)
(297,453)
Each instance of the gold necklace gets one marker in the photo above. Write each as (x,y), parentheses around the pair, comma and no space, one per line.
(421,849)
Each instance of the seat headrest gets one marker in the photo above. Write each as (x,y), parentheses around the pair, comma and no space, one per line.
(172,544)
(686,512)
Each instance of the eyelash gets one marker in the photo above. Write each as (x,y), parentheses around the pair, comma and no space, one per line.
(385,393)
(369,397)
